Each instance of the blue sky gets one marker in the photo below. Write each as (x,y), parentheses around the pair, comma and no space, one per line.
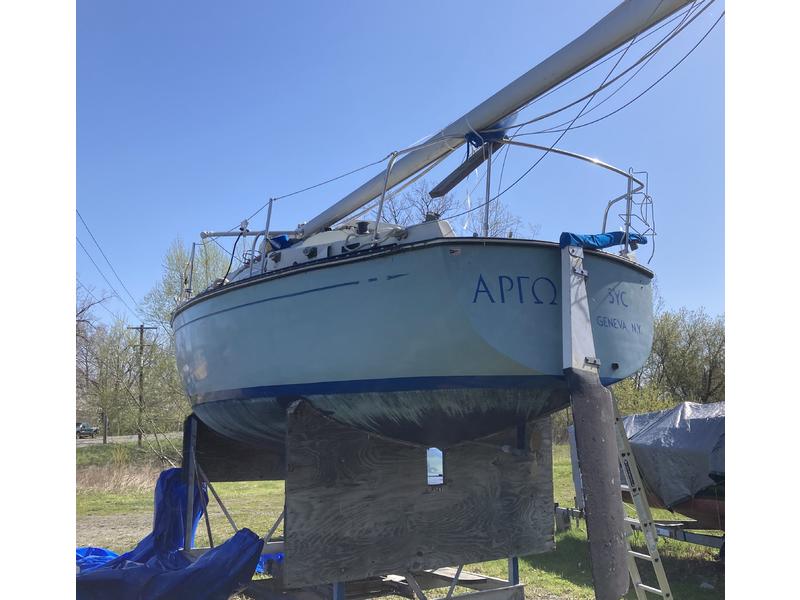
(191,114)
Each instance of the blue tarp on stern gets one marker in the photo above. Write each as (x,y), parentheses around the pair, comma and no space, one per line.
(598,241)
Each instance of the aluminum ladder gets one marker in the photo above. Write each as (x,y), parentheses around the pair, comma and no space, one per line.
(632,483)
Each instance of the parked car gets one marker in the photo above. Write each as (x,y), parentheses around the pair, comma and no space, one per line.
(84,430)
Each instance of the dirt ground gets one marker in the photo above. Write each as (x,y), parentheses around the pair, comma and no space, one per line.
(112,531)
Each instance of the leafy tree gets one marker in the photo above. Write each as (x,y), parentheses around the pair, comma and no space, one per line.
(688,357)
(166,405)
(209,264)
(112,371)
(686,364)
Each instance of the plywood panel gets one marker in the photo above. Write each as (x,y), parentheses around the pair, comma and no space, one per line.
(359,505)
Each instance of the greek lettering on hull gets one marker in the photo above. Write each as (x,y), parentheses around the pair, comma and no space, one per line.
(516,289)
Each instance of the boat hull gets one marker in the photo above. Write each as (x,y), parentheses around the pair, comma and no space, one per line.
(436,343)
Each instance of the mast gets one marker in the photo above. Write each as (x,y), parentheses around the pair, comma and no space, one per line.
(619,26)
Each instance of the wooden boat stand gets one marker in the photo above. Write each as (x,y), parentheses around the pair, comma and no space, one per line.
(361,521)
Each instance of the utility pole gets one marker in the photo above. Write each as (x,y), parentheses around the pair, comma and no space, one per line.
(141,329)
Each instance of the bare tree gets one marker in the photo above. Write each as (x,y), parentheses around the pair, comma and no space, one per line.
(414,204)
(85,324)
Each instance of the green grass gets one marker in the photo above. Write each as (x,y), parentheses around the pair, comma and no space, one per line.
(566,571)
(561,574)
(126,453)
(92,503)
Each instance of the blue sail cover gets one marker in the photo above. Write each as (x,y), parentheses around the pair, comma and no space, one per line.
(157,568)
(599,241)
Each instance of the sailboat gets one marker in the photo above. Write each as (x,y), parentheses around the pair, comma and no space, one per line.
(416,333)
(412,332)
(432,338)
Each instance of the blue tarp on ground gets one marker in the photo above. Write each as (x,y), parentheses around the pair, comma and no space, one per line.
(90,558)
(157,569)
(599,241)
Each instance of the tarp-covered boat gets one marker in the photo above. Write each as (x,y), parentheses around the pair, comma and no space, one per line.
(681,456)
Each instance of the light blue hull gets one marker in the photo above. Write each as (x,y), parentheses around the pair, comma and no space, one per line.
(435,343)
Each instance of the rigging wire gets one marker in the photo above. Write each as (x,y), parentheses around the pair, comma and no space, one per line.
(572,123)
(113,270)
(655,49)
(556,128)
(415,146)
(311,187)
(541,158)
(437,140)
(587,70)
(394,191)
(651,86)
(639,38)
(503,168)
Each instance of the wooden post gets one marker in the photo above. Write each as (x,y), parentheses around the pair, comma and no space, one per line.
(513,561)
(189,465)
(338,591)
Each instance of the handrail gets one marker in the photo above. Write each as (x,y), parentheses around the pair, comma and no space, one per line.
(383,194)
(635,186)
(267,243)
(191,272)
(214,234)
(629,175)
(595,161)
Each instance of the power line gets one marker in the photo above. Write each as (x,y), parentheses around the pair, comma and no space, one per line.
(106,258)
(97,300)
(116,293)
